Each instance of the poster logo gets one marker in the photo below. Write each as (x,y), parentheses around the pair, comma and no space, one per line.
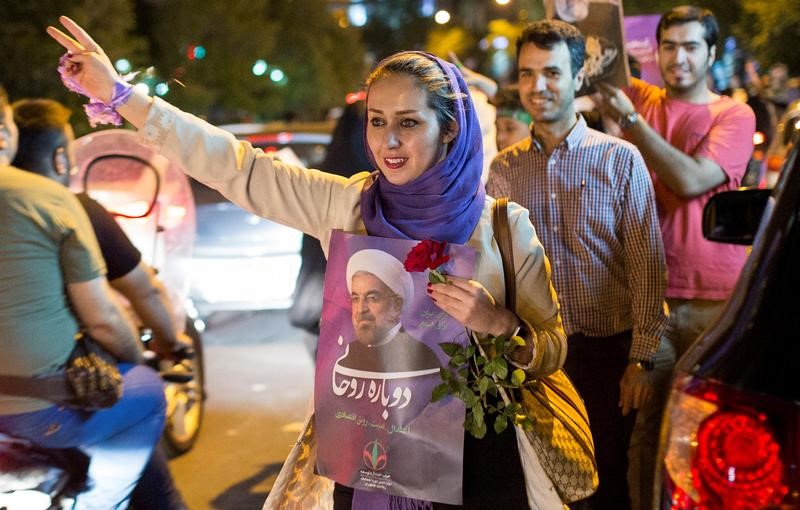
(374,455)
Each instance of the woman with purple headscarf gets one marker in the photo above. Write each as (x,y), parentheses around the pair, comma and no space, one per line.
(422,134)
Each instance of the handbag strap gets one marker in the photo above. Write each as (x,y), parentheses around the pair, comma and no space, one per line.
(502,234)
(50,387)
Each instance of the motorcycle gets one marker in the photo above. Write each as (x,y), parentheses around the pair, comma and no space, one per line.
(152,201)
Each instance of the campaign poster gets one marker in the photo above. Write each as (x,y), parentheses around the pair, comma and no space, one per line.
(378,362)
(641,45)
(600,21)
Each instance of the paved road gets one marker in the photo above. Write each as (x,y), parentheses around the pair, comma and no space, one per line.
(259,382)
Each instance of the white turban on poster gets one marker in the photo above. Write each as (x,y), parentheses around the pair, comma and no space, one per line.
(386,268)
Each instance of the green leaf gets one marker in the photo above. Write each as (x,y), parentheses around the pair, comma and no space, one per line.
(483,384)
(470,398)
(451,348)
(477,417)
(477,412)
(445,374)
(458,359)
(480,430)
(518,377)
(480,361)
(500,423)
(470,351)
(499,343)
(440,392)
(434,276)
(500,368)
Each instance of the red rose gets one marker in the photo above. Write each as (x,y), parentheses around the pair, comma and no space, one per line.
(428,254)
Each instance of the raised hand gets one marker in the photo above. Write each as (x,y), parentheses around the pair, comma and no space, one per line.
(85,63)
(475,79)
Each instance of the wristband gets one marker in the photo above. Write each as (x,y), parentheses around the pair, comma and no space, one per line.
(106,113)
(97,111)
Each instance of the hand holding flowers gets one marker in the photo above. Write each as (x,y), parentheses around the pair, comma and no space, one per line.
(476,371)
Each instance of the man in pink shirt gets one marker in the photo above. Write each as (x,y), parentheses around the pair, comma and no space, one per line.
(695,143)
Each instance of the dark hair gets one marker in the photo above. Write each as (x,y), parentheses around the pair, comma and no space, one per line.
(346,153)
(507,99)
(41,124)
(686,14)
(429,75)
(547,33)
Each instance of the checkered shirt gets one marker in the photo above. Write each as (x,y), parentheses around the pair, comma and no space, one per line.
(594,210)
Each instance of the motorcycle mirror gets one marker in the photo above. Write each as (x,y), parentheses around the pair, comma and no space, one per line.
(124,184)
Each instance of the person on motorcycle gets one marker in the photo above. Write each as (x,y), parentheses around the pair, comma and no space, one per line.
(45,147)
(52,283)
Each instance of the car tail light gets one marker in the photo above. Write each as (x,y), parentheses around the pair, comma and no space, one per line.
(724,452)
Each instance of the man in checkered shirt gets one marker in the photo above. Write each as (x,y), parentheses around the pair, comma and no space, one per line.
(592,203)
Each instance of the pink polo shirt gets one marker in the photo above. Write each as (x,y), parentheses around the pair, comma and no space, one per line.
(721,131)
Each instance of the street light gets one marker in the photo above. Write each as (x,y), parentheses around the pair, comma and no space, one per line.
(357,14)
(502,2)
(277,75)
(123,65)
(442,17)
(260,67)
(143,87)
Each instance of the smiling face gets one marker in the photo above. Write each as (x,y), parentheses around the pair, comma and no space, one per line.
(546,84)
(375,308)
(684,58)
(403,132)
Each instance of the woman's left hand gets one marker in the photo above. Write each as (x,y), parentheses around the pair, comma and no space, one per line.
(87,63)
(468,302)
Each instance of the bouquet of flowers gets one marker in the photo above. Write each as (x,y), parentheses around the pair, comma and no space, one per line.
(475,372)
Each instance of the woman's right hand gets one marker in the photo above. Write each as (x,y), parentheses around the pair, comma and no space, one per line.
(86,63)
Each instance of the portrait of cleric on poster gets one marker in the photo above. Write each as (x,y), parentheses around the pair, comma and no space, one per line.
(377,365)
(601,22)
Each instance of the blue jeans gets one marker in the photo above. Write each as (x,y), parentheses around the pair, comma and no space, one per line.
(119,440)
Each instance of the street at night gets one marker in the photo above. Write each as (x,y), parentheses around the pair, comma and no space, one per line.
(259,382)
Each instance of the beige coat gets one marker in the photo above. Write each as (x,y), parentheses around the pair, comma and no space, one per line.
(316,203)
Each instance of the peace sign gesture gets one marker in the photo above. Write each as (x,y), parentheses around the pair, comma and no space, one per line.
(85,63)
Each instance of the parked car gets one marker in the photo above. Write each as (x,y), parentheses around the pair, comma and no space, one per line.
(731,431)
(241,261)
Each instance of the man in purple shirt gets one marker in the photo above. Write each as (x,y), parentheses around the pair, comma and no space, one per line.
(591,201)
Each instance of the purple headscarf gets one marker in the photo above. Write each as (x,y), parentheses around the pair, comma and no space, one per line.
(444,203)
